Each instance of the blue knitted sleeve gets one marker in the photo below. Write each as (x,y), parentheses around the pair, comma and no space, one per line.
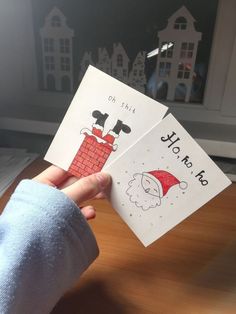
(45,245)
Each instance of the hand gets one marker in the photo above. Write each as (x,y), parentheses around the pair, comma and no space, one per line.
(79,190)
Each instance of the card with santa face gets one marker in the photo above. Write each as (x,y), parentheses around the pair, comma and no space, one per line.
(103,120)
(162,179)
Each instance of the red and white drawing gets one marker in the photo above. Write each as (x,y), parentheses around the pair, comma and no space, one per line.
(147,189)
(96,147)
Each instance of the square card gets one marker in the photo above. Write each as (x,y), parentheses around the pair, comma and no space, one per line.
(104,119)
(162,179)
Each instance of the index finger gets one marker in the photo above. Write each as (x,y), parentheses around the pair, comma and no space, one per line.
(52,176)
(87,187)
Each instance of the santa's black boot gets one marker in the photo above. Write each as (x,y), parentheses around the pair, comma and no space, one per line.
(98,126)
(115,132)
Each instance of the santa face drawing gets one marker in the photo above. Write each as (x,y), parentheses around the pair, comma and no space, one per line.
(148,188)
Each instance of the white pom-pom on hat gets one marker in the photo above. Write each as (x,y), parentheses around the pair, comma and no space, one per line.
(183,185)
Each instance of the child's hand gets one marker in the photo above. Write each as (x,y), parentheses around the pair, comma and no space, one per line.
(79,190)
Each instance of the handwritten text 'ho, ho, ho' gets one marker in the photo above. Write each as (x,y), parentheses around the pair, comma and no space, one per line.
(171,140)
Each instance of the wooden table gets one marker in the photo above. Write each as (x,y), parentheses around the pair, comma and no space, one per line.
(191,269)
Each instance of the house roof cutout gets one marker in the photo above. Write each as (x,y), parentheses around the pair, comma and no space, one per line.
(55,24)
(119,49)
(55,12)
(183,11)
(179,23)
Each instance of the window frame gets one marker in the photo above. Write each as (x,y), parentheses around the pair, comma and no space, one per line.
(64,45)
(164,68)
(56,21)
(180,23)
(120,60)
(65,64)
(49,63)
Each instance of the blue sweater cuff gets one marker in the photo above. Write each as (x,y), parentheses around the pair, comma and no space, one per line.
(60,210)
(45,245)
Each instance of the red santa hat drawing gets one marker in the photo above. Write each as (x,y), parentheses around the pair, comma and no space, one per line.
(148,188)
(165,180)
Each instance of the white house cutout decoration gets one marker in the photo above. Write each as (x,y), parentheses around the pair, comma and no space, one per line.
(173,75)
(137,76)
(85,62)
(175,65)
(104,61)
(120,63)
(57,52)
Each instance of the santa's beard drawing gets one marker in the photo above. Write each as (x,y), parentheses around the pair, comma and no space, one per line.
(147,189)
(143,192)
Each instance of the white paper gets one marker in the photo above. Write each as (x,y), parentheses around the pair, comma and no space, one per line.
(101,93)
(163,179)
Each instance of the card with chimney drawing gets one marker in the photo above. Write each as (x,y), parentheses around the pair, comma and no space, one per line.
(162,179)
(103,120)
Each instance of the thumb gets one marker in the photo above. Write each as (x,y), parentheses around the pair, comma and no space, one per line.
(88,187)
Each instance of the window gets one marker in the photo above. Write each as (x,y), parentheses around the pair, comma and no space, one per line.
(65,64)
(48,44)
(119,60)
(180,23)
(164,69)
(56,21)
(187,50)
(184,70)
(124,72)
(49,63)
(167,49)
(64,45)
(115,72)
(135,72)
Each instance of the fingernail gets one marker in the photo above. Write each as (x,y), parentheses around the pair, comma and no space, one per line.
(103,179)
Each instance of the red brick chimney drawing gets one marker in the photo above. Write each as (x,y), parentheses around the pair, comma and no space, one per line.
(96,148)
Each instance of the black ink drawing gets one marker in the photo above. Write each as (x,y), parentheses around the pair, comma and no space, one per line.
(148,188)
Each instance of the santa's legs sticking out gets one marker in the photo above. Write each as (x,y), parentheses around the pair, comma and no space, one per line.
(96,148)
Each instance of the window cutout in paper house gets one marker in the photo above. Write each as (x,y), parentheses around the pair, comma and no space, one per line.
(56,39)
(176,63)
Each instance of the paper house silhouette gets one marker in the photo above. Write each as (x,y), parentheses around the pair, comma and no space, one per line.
(85,62)
(120,63)
(104,61)
(57,52)
(175,65)
(137,76)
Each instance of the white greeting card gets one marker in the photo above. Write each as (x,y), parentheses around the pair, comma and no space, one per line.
(162,179)
(103,120)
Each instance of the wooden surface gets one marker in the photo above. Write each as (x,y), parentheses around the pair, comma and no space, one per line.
(191,269)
